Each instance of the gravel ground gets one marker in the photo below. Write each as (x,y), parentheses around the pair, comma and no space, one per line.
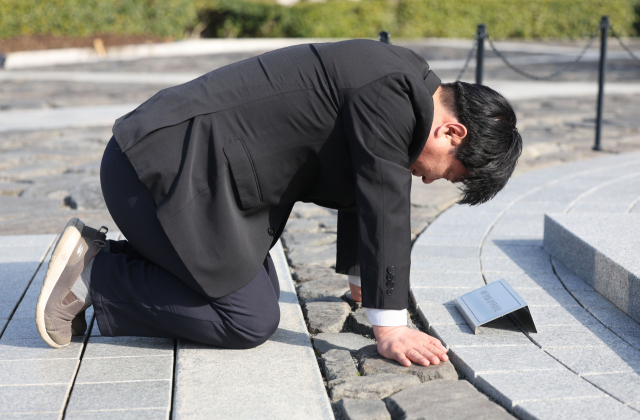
(49,176)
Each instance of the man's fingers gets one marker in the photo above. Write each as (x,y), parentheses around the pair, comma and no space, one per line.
(433,358)
(435,342)
(439,351)
(438,344)
(402,359)
(421,358)
(406,346)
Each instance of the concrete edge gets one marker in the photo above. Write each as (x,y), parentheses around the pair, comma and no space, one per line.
(555,235)
(291,297)
(589,263)
(39,58)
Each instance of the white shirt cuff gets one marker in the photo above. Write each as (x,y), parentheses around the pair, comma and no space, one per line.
(355,280)
(387,317)
(382,317)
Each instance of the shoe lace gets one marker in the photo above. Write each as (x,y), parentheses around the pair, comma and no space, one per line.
(99,241)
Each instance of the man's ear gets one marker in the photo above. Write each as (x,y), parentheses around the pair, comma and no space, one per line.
(456,132)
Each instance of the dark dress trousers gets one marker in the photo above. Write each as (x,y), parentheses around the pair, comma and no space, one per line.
(226,156)
(139,286)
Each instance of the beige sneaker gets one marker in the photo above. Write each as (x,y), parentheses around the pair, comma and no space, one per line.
(58,308)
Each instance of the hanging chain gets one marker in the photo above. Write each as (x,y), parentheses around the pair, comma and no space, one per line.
(623,45)
(552,75)
(466,64)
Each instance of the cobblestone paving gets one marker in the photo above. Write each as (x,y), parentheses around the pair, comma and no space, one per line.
(343,336)
(45,174)
(48,176)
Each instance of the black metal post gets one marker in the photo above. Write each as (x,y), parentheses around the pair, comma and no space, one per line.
(383,36)
(482,33)
(604,33)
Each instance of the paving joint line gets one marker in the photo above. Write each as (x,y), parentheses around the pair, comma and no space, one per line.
(601,389)
(118,409)
(34,384)
(597,187)
(15,308)
(26,412)
(124,357)
(534,190)
(583,307)
(123,382)
(173,379)
(560,362)
(77,369)
(28,360)
(499,216)
(633,204)
(607,373)
(590,397)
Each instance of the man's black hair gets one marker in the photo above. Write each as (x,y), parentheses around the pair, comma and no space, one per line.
(492,145)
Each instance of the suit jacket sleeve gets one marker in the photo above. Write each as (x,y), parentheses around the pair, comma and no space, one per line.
(379,121)
(348,244)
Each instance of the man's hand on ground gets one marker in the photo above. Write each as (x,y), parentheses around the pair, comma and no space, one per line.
(356,292)
(406,345)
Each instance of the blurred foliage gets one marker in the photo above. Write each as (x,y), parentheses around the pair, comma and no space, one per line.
(343,19)
(512,18)
(237,18)
(165,18)
(337,18)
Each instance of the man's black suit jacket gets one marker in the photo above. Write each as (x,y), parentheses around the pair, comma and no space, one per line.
(226,156)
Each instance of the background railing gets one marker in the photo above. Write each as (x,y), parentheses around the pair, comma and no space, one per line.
(602,29)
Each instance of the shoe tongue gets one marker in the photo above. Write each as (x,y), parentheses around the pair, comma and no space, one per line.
(92,234)
(69,298)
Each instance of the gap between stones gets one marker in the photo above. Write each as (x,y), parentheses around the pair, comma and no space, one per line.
(359,382)
(555,272)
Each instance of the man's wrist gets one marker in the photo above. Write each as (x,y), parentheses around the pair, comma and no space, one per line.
(386,333)
(387,317)
(379,317)
(355,280)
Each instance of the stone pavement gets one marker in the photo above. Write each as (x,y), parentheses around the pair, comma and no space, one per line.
(136,377)
(54,124)
(583,362)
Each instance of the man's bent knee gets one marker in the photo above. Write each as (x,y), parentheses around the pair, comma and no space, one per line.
(251,336)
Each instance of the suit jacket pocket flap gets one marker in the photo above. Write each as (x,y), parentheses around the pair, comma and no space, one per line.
(243,173)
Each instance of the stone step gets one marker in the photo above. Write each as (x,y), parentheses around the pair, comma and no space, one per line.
(581,362)
(602,249)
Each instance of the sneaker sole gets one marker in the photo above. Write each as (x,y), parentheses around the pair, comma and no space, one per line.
(61,254)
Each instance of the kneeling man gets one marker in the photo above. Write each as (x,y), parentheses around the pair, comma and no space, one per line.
(202,177)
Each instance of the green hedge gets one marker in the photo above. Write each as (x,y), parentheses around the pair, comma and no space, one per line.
(349,19)
(512,18)
(418,18)
(75,18)
(344,19)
